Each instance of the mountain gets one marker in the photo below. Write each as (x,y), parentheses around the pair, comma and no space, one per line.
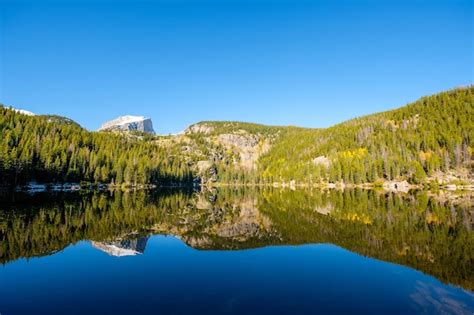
(55,119)
(35,148)
(129,123)
(428,142)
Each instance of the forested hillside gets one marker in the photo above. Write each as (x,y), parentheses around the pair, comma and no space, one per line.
(431,135)
(54,149)
(423,141)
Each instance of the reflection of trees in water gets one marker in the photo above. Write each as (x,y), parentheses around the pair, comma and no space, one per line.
(395,228)
(429,233)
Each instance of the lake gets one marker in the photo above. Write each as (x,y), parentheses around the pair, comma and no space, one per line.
(237,251)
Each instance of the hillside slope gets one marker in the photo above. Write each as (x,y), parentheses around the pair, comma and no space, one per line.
(54,149)
(427,137)
(428,140)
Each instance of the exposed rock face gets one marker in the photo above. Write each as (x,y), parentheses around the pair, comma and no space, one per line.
(206,146)
(249,147)
(322,160)
(241,141)
(206,171)
(129,123)
(203,166)
(199,128)
(401,186)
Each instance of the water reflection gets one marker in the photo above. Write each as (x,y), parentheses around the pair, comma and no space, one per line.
(122,247)
(438,299)
(429,232)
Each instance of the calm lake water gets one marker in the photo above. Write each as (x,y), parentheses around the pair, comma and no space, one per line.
(236,252)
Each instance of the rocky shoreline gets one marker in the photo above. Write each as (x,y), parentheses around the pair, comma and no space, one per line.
(74,187)
(394,186)
(402,186)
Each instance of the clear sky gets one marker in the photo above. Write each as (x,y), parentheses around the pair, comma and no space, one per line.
(307,63)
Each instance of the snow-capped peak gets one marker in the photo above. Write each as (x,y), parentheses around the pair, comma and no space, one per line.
(129,122)
(128,119)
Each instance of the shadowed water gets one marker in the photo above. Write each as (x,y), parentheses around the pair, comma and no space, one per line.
(236,252)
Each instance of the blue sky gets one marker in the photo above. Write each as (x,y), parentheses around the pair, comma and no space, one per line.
(307,63)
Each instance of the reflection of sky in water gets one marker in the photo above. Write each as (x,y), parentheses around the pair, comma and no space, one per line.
(171,277)
(437,299)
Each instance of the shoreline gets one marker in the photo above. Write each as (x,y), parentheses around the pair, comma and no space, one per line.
(76,187)
(368,186)
(399,187)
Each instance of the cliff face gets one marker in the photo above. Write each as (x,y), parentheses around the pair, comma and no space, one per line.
(129,123)
(213,150)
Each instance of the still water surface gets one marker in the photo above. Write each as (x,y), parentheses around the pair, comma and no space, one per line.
(236,252)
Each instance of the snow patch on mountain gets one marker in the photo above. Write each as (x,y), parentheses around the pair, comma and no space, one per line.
(25,112)
(22,111)
(122,120)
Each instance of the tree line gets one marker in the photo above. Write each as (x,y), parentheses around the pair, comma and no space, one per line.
(430,136)
(55,151)
(434,134)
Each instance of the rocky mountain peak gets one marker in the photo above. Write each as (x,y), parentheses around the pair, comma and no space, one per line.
(202,128)
(129,123)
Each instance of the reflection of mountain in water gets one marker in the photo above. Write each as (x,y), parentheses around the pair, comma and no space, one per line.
(431,232)
(211,225)
(121,248)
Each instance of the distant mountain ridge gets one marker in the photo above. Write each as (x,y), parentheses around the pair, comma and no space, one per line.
(54,119)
